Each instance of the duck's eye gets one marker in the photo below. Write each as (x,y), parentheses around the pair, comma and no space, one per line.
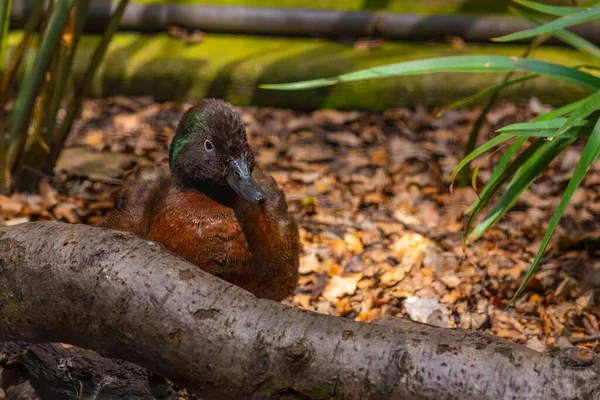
(209,146)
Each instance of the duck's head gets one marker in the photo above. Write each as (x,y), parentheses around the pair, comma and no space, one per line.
(210,148)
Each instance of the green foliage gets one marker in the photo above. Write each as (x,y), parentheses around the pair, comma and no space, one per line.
(535,144)
(485,93)
(569,38)
(569,19)
(550,10)
(35,136)
(470,64)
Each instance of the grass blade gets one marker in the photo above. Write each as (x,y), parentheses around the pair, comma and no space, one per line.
(474,178)
(557,11)
(491,101)
(588,156)
(488,92)
(558,112)
(578,43)
(586,15)
(521,181)
(474,133)
(498,170)
(497,181)
(453,64)
(546,125)
(577,132)
(479,151)
(569,38)
(591,104)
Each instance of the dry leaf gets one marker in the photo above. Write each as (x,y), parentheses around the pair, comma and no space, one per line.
(339,286)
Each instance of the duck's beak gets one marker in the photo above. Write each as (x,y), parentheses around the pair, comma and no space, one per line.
(240,179)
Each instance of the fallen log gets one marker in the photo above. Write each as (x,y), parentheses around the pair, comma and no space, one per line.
(129,298)
(57,371)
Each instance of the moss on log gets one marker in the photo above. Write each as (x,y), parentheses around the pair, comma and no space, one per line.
(231,67)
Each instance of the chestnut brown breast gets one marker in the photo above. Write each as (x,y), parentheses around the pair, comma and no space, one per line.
(250,245)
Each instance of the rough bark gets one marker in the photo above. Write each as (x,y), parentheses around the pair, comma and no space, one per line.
(67,372)
(129,298)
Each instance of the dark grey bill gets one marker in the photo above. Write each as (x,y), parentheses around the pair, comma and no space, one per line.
(240,179)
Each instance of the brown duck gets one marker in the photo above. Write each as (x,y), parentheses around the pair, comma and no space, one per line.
(211,206)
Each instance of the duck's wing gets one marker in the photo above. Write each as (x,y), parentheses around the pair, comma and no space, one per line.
(142,189)
(276,203)
(280,245)
(277,210)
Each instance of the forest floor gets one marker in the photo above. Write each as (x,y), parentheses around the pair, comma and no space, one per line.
(380,229)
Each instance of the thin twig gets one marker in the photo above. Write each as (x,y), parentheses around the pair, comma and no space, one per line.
(586,339)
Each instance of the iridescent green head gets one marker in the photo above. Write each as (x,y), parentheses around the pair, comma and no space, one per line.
(210,148)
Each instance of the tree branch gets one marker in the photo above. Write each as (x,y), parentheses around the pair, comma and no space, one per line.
(60,372)
(128,298)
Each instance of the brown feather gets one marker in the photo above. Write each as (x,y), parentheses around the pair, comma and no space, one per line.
(196,214)
(253,246)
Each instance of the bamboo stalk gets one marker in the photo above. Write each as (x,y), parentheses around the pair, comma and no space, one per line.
(402,24)
(65,66)
(34,20)
(76,102)
(33,81)
(4,23)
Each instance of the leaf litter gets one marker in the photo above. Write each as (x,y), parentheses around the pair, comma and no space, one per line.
(379,228)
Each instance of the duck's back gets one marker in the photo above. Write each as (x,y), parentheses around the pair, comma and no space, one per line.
(142,189)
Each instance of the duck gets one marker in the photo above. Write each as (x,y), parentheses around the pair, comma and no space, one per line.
(211,205)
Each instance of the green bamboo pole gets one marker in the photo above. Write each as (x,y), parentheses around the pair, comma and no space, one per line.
(33,81)
(77,100)
(65,65)
(4,24)
(32,23)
